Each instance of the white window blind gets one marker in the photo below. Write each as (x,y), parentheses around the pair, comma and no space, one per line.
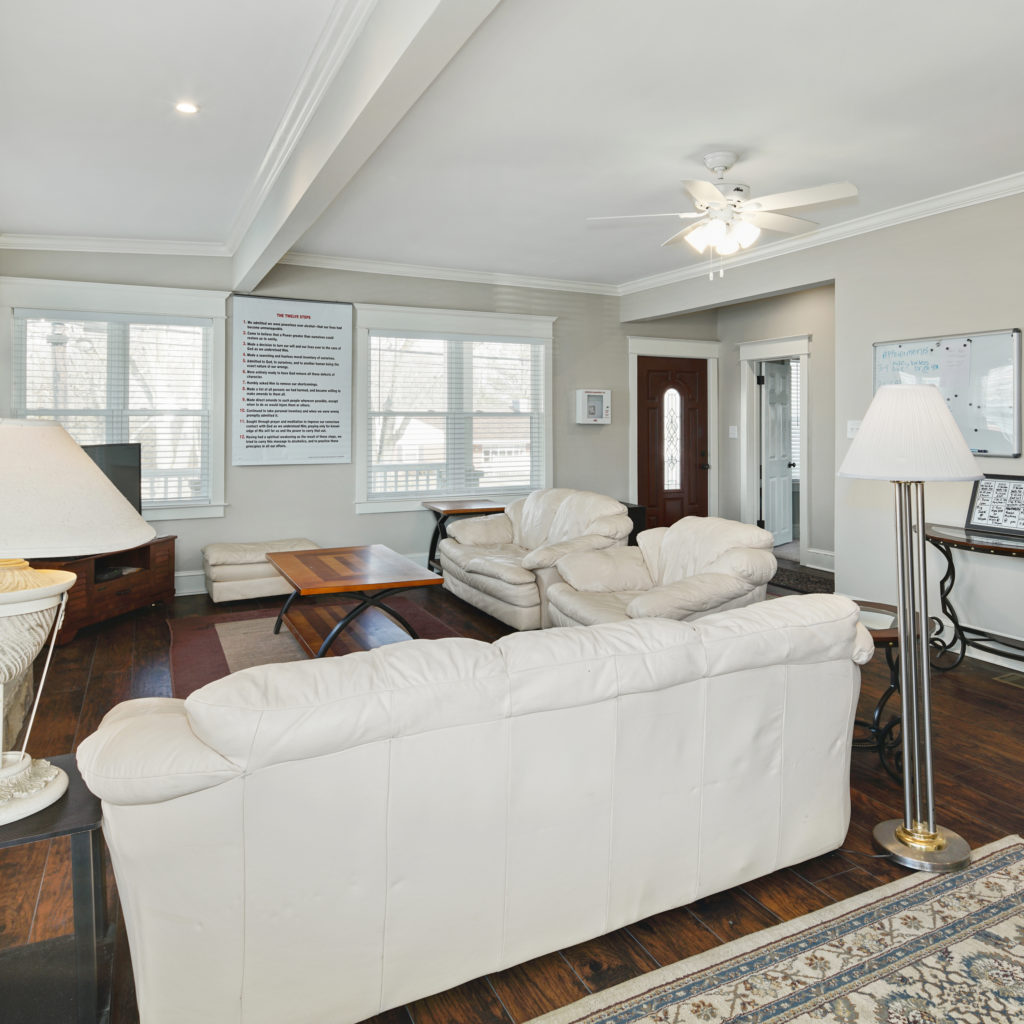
(118,378)
(453,415)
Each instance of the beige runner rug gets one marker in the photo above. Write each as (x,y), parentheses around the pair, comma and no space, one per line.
(249,642)
(927,949)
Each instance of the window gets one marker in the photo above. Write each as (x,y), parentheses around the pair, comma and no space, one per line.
(155,379)
(452,412)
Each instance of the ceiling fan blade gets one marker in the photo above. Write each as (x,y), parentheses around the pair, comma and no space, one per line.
(633,216)
(778,221)
(680,236)
(803,197)
(703,191)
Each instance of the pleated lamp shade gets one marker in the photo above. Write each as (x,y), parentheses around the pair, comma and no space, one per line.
(55,501)
(908,433)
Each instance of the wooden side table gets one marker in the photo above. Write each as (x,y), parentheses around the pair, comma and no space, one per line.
(76,814)
(444,510)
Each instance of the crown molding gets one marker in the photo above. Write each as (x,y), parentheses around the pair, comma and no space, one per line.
(348,17)
(120,246)
(303,259)
(999,188)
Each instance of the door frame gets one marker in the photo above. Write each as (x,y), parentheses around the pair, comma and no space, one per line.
(750,354)
(676,348)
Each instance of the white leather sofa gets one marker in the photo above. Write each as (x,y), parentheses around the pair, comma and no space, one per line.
(699,565)
(322,840)
(503,563)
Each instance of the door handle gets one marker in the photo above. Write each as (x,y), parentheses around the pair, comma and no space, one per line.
(791,465)
(704,465)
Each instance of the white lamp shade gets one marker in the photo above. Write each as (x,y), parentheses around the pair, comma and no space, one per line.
(907,434)
(55,501)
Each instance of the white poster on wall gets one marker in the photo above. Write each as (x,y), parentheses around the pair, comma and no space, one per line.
(291,381)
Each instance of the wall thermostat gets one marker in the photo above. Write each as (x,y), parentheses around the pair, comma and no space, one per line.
(593,406)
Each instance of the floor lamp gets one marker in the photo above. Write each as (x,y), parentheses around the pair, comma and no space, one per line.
(54,502)
(909,436)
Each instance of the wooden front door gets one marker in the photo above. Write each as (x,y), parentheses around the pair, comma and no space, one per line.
(672,438)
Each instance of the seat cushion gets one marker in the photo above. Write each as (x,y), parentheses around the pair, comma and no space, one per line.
(502,561)
(253,551)
(588,608)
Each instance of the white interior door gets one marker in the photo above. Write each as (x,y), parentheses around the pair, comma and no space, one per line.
(777,451)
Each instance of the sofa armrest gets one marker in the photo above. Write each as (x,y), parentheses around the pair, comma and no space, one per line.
(679,600)
(752,564)
(481,530)
(548,554)
(145,752)
(607,571)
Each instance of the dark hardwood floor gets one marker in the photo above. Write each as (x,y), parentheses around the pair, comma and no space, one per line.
(978,716)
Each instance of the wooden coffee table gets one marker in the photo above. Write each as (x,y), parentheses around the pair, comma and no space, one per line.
(367,573)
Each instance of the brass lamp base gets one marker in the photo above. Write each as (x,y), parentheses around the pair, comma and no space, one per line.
(942,850)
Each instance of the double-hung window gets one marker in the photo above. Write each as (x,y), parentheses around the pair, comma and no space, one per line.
(154,378)
(454,404)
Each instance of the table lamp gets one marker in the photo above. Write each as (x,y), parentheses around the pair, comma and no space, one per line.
(55,502)
(909,436)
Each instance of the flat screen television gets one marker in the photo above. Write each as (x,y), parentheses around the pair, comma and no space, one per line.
(122,464)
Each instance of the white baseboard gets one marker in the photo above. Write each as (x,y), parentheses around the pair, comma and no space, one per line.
(189,582)
(815,558)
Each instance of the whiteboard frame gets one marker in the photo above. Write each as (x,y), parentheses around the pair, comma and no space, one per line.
(1015,336)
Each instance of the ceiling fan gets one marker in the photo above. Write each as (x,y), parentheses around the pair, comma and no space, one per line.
(727,219)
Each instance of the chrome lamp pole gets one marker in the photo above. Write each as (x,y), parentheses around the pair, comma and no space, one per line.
(909,436)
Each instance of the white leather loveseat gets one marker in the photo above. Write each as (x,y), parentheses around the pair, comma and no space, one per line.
(504,563)
(322,840)
(698,565)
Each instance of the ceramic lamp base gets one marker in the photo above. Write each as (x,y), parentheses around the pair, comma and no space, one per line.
(27,786)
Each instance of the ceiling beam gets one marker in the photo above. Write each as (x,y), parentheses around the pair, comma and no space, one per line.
(399,48)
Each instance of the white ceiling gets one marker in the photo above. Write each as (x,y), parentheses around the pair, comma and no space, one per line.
(390,131)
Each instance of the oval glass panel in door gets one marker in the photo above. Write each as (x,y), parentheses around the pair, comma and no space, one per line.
(671,439)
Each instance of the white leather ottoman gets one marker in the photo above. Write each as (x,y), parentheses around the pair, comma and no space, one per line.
(239,572)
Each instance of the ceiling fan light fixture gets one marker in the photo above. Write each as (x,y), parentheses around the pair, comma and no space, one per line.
(715,232)
(745,233)
(727,246)
(698,238)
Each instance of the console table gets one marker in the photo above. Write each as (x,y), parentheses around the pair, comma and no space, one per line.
(444,510)
(946,539)
(114,582)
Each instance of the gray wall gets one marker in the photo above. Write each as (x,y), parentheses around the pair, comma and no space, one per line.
(317,501)
(959,271)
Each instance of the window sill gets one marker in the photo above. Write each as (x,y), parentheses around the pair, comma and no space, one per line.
(166,513)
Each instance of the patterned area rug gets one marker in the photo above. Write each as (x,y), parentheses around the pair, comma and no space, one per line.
(928,949)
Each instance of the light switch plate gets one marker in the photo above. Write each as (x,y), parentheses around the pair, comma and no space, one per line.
(852,426)
(734,432)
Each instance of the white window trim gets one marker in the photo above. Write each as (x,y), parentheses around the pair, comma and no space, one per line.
(92,297)
(439,321)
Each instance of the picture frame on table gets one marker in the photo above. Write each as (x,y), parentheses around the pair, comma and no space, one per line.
(997,506)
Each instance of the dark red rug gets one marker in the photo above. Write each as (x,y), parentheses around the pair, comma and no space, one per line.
(197,657)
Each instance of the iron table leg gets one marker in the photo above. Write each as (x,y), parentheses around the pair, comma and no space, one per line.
(90,912)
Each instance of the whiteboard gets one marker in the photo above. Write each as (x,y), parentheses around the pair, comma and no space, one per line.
(977,374)
(291,389)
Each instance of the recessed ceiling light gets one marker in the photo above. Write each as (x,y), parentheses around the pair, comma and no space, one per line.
(186,108)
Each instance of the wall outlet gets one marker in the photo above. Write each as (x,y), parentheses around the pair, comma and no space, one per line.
(852,426)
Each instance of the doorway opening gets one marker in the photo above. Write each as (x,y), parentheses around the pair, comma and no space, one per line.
(774,442)
(779,399)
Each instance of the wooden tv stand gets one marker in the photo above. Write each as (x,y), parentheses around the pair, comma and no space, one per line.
(146,576)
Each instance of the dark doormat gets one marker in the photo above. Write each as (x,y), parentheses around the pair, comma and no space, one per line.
(801,580)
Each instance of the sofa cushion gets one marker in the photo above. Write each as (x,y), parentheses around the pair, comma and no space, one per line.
(255,551)
(692,544)
(502,561)
(588,609)
(560,513)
